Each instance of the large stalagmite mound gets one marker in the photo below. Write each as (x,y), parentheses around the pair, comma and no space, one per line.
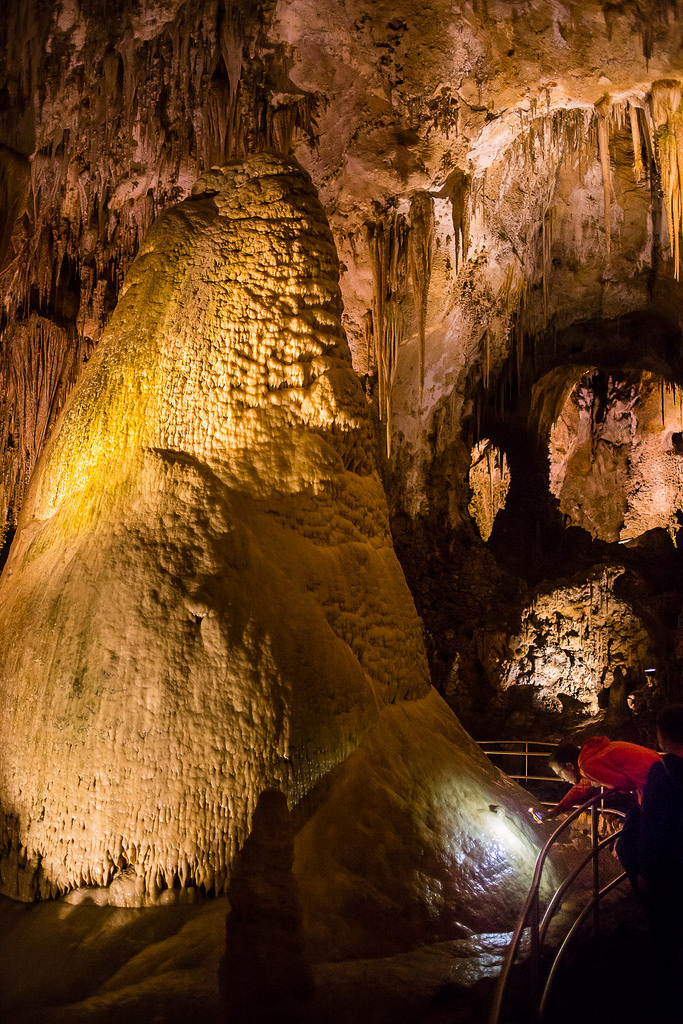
(202,600)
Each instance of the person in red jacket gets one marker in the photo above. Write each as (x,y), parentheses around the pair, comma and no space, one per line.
(600,762)
(612,763)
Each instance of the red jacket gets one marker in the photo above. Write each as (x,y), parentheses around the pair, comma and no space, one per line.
(601,762)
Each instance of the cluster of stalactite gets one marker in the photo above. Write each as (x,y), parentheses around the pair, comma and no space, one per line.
(532,163)
(388,244)
(400,251)
(103,124)
(490,482)
(40,363)
(578,137)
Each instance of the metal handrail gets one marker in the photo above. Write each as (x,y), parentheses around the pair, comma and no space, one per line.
(570,935)
(571,878)
(521,751)
(531,911)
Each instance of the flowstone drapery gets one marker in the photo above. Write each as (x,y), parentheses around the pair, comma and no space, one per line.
(202,600)
(202,597)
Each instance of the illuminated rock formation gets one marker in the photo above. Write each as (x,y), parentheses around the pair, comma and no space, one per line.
(415,840)
(503,188)
(572,642)
(614,462)
(490,483)
(202,600)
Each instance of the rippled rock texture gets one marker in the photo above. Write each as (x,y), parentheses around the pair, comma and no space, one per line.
(203,602)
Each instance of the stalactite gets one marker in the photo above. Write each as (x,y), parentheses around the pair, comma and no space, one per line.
(421,240)
(370,365)
(668,123)
(602,110)
(651,16)
(459,197)
(394,333)
(547,245)
(379,261)
(14,189)
(487,358)
(40,364)
(388,245)
(512,295)
(489,480)
(203,101)
(637,143)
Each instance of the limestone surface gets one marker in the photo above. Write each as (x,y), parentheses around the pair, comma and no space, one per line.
(573,641)
(202,600)
(502,182)
(615,463)
(202,603)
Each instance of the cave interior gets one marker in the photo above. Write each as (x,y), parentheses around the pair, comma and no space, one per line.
(341,426)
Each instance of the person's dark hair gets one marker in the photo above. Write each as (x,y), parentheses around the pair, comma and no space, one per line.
(564,753)
(670,722)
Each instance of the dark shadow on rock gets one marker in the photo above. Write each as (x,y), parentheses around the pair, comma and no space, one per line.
(263,975)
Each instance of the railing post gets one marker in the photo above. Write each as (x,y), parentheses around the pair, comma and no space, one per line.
(595,838)
(535,950)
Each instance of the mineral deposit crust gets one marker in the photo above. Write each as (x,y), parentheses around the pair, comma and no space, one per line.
(203,602)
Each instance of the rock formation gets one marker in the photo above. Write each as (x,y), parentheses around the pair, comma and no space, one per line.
(490,482)
(573,642)
(202,596)
(614,464)
(202,600)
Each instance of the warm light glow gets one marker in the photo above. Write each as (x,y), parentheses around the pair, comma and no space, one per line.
(614,461)
(490,483)
(572,639)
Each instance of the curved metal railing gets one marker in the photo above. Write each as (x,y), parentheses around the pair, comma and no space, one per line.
(531,913)
(520,750)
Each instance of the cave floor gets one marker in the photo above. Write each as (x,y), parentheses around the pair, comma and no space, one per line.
(613,979)
(84,964)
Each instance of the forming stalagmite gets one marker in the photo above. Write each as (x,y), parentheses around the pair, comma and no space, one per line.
(202,600)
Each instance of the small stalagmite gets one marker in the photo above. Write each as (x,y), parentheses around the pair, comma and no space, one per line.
(202,601)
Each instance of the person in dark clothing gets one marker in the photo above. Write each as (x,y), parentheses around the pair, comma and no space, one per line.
(661,858)
(661,838)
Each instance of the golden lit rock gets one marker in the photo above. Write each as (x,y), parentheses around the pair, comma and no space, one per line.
(573,640)
(615,464)
(490,483)
(203,602)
